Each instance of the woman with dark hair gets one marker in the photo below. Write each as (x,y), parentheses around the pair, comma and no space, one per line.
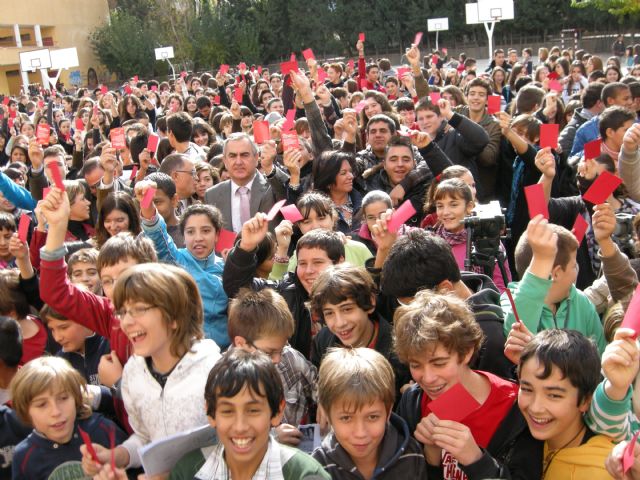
(575,82)
(190,105)
(202,134)
(612,74)
(117,213)
(376,103)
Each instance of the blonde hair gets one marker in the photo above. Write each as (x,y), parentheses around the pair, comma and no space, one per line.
(255,315)
(48,374)
(73,189)
(169,289)
(357,377)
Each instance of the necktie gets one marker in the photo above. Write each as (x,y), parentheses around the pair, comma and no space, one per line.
(245,209)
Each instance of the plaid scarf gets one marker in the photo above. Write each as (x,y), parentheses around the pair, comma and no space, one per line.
(452,238)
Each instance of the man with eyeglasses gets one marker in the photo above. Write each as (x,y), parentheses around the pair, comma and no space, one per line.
(182,171)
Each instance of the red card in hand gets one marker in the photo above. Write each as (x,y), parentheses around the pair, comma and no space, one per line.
(148,197)
(553,76)
(43,134)
(361,36)
(493,104)
(308,53)
(135,78)
(445,51)
(134,172)
(290,141)
(261,132)
(360,106)
(10,122)
(401,71)
(242,66)
(237,95)
(152,143)
(104,89)
(592,149)
(226,239)
(401,215)
(183,74)
(275,209)
(632,316)
(434,60)
(600,190)
(117,138)
(322,75)
(549,135)
(224,68)
(455,404)
(127,89)
(290,66)
(435,97)
(536,200)
(88,444)
(40,104)
(23,227)
(418,39)
(259,69)
(290,122)
(216,100)
(5,100)
(580,228)
(56,175)
(291,213)
(79,124)
(628,457)
(555,85)
(13,114)
(45,192)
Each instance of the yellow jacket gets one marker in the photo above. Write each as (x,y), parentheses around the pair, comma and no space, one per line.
(580,463)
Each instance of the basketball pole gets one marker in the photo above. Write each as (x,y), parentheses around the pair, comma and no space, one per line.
(489,26)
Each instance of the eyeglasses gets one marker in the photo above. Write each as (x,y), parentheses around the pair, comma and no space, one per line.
(193,173)
(269,353)
(134,312)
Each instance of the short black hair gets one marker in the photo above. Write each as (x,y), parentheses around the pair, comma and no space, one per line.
(381,117)
(418,260)
(181,125)
(575,355)
(238,369)
(137,144)
(592,94)
(164,182)
(611,90)
(327,167)
(203,101)
(330,242)
(614,118)
(10,341)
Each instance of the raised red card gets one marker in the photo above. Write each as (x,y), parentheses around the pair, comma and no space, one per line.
(79,124)
(117,138)
(261,131)
(134,172)
(549,135)
(361,36)
(103,89)
(226,239)
(224,68)
(290,141)
(435,97)
(444,50)
(87,442)
(360,105)
(56,175)
(364,84)
(13,113)
(308,53)
(628,456)
(592,149)
(152,143)
(455,404)
(43,134)
(632,315)
(127,90)
(290,122)
(148,197)
(290,66)
(5,100)
(401,71)
(23,227)
(135,78)
(259,69)
(555,85)
(275,209)
(40,104)
(434,60)
(580,228)
(242,66)
(493,104)
(553,76)
(291,213)
(418,39)
(216,99)
(536,200)
(599,191)
(322,75)
(183,74)
(513,305)
(350,64)
(45,192)
(237,95)
(401,215)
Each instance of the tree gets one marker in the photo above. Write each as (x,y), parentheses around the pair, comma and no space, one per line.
(618,8)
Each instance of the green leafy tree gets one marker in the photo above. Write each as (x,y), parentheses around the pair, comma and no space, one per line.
(618,8)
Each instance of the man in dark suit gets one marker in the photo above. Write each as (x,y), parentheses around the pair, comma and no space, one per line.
(248,191)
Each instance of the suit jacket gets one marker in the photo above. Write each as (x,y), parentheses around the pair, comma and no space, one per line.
(265,192)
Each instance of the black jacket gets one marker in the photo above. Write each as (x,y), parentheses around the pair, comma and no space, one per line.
(400,456)
(12,432)
(512,452)
(239,271)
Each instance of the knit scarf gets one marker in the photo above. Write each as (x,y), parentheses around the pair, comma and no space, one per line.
(452,238)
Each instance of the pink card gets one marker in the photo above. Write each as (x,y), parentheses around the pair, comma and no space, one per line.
(103,89)
(350,64)
(226,239)
(600,190)
(148,197)
(293,57)
(242,66)
(261,132)
(23,227)
(45,192)
(434,60)
(455,404)
(579,228)
(117,138)
(307,54)
(259,69)
(275,209)
(364,232)
(87,441)
(435,97)
(361,36)
(290,66)
(290,141)
(290,122)
(555,85)
(136,78)
(536,200)
(40,104)
(134,172)
(628,457)
(592,149)
(513,305)
(79,124)
(549,135)
(401,215)
(43,134)
(493,104)
(553,76)
(291,213)
(237,95)
(360,106)
(418,39)
(216,99)
(6,100)
(444,50)
(224,68)
(56,175)
(154,88)
(127,90)
(401,71)
(152,143)
(183,74)
(322,75)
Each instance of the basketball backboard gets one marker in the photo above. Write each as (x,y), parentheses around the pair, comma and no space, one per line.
(64,58)
(164,53)
(495,10)
(34,60)
(437,24)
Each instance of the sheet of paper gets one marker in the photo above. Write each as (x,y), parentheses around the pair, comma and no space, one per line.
(310,437)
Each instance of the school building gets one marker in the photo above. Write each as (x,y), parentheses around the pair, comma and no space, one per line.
(27,25)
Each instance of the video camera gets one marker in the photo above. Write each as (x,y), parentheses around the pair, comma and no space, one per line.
(623,234)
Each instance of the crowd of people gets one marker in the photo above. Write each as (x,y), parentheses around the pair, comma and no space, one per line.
(260,250)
